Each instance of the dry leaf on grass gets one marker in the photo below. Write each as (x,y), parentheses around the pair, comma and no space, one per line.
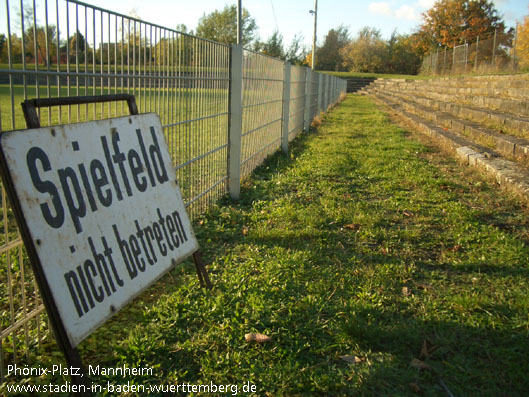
(406,291)
(245,230)
(352,359)
(416,363)
(258,338)
(352,226)
(422,286)
(407,213)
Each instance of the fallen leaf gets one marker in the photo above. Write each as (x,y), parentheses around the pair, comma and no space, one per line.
(245,230)
(407,213)
(406,291)
(352,226)
(416,363)
(456,248)
(258,338)
(352,359)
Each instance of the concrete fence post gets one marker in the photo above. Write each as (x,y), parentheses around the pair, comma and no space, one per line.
(308,82)
(320,92)
(286,108)
(235,121)
(477,55)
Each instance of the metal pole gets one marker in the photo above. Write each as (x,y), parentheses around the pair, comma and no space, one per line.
(515,39)
(314,35)
(494,49)
(239,22)
(477,52)
(286,108)
(235,122)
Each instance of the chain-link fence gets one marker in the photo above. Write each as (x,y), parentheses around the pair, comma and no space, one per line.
(68,48)
(493,53)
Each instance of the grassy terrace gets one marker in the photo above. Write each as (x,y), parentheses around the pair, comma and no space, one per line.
(377,265)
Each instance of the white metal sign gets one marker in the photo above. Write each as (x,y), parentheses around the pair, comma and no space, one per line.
(104,211)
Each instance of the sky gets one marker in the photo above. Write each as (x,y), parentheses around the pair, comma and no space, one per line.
(291,17)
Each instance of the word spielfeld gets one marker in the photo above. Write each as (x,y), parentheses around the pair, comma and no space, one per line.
(103,182)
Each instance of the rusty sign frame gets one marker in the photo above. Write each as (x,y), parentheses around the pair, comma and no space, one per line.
(70,352)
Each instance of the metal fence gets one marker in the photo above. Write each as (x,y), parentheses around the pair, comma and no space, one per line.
(496,52)
(223,110)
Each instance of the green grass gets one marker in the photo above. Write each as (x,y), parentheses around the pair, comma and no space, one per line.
(316,254)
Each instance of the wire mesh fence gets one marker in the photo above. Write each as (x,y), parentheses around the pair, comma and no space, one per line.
(261,108)
(496,52)
(297,100)
(68,48)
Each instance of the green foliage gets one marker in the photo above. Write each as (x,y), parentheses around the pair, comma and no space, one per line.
(328,56)
(273,46)
(365,53)
(221,26)
(369,53)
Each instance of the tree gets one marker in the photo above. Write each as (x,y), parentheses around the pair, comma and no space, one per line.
(522,43)
(366,52)
(296,51)
(451,22)
(221,26)
(328,56)
(401,57)
(273,46)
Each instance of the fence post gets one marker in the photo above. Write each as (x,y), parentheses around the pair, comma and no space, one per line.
(454,58)
(308,80)
(477,52)
(286,107)
(515,40)
(320,92)
(494,50)
(235,122)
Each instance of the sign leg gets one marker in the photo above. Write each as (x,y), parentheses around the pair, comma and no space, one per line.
(201,271)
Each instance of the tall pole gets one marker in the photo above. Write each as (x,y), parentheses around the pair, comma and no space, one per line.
(239,22)
(314,35)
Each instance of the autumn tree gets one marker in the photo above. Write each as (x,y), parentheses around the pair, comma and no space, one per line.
(221,26)
(328,56)
(522,43)
(451,22)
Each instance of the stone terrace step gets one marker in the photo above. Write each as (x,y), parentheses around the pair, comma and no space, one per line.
(499,121)
(512,147)
(466,96)
(507,173)
(355,84)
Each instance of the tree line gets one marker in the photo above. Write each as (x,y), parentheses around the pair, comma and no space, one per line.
(447,24)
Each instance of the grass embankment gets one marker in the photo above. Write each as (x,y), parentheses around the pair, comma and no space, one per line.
(361,253)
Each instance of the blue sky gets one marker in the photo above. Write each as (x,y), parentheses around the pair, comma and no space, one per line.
(292,16)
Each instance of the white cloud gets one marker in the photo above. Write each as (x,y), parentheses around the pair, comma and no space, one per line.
(380,8)
(426,3)
(407,12)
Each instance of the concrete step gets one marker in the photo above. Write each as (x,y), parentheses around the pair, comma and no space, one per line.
(501,122)
(507,173)
(356,83)
(515,107)
(514,148)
